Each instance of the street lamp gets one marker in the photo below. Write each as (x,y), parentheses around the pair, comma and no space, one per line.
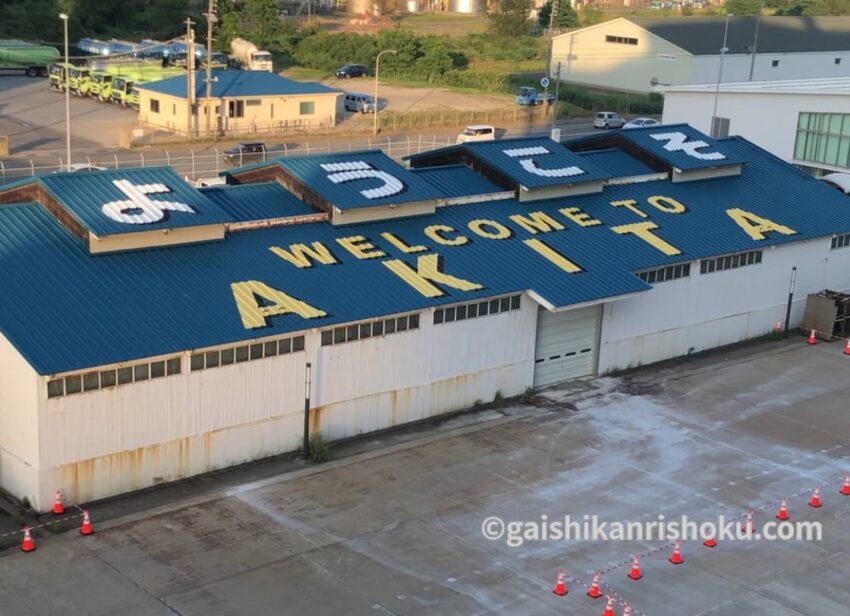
(66,73)
(723,51)
(377,69)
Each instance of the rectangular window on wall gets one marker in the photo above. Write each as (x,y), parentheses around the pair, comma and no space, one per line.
(823,138)
(154,106)
(308,108)
(235,109)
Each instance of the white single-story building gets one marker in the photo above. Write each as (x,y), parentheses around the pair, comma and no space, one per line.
(152,331)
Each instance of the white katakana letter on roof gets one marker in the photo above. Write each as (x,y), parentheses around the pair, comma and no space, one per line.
(678,142)
(138,208)
(360,170)
(531,166)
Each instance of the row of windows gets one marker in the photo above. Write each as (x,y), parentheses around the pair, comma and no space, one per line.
(236,355)
(104,379)
(718,264)
(622,40)
(479,309)
(662,274)
(823,138)
(373,329)
(840,241)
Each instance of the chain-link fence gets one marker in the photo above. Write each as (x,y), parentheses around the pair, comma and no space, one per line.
(197,164)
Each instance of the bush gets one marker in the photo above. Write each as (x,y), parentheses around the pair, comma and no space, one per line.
(320,451)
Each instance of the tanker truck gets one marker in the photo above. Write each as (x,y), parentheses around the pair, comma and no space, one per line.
(27,57)
(251,58)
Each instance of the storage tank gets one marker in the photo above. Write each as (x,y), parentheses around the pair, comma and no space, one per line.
(469,7)
(93,47)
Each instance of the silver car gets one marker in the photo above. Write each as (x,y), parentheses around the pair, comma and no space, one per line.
(608,119)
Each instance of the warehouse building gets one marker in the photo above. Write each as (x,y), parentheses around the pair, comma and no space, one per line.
(242,102)
(646,54)
(803,121)
(153,331)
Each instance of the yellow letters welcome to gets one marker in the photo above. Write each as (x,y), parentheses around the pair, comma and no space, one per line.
(302,255)
(255,315)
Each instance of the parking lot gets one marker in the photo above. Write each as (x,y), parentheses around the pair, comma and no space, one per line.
(33,115)
(394,526)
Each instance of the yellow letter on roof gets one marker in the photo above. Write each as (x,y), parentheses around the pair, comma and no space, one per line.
(426,273)
(644,231)
(255,315)
(756,226)
(302,255)
(537,222)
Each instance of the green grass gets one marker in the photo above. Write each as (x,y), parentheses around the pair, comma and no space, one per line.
(303,73)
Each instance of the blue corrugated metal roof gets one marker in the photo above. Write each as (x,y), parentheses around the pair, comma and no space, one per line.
(65,309)
(265,200)
(457,181)
(234,83)
(617,163)
(359,179)
(114,201)
(531,162)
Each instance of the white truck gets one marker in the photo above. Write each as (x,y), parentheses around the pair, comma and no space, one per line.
(249,57)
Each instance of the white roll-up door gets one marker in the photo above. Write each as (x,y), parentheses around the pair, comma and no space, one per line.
(565,345)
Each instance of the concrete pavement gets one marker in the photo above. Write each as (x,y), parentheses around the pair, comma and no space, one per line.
(396,528)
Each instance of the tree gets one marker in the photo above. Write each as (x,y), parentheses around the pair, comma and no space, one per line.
(566,17)
(743,7)
(510,18)
(591,15)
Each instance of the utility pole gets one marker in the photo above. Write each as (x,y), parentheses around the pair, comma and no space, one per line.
(723,50)
(190,77)
(555,102)
(755,45)
(552,15)
(211,19)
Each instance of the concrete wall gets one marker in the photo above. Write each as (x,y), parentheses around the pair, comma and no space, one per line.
(264,114)
(19,419)
(586,58)
(768,119)
(105,442)
(704,311)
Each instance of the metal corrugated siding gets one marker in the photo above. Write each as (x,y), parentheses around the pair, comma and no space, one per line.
(617,163)
(262,201)
(457,181)
(84,194)
(346,196)
(233,83)
(65,309)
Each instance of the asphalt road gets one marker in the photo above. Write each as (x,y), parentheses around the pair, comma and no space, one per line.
(206,160)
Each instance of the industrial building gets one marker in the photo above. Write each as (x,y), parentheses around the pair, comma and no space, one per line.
(153,331)
(803,121)
(242,102)
(647,54)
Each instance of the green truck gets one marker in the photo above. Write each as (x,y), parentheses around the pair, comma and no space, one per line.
(58,76)
(122,85)
(100,85)
(78,78)
(30,58)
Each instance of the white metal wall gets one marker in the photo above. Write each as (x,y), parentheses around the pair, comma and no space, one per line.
(703,311)
(106,442)
(736,67)
(565,347)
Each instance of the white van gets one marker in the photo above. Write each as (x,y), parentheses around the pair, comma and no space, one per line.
(362,103)
(477,132)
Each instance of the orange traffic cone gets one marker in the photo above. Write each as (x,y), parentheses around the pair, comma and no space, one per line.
(847,348)
(58,507)
(711,542)
(609,609)
(815,502)
(676,556)
(28,544)
(561,584)
(782,514)
(594,592)
(845,489)
(635,573)
(812,339)
(86,528)
(747,525)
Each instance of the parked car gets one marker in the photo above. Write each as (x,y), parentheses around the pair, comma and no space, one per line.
(641,123)
(608,119)
(246,152)
(477,132)
(76,167)
(362,103)
(351,70)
